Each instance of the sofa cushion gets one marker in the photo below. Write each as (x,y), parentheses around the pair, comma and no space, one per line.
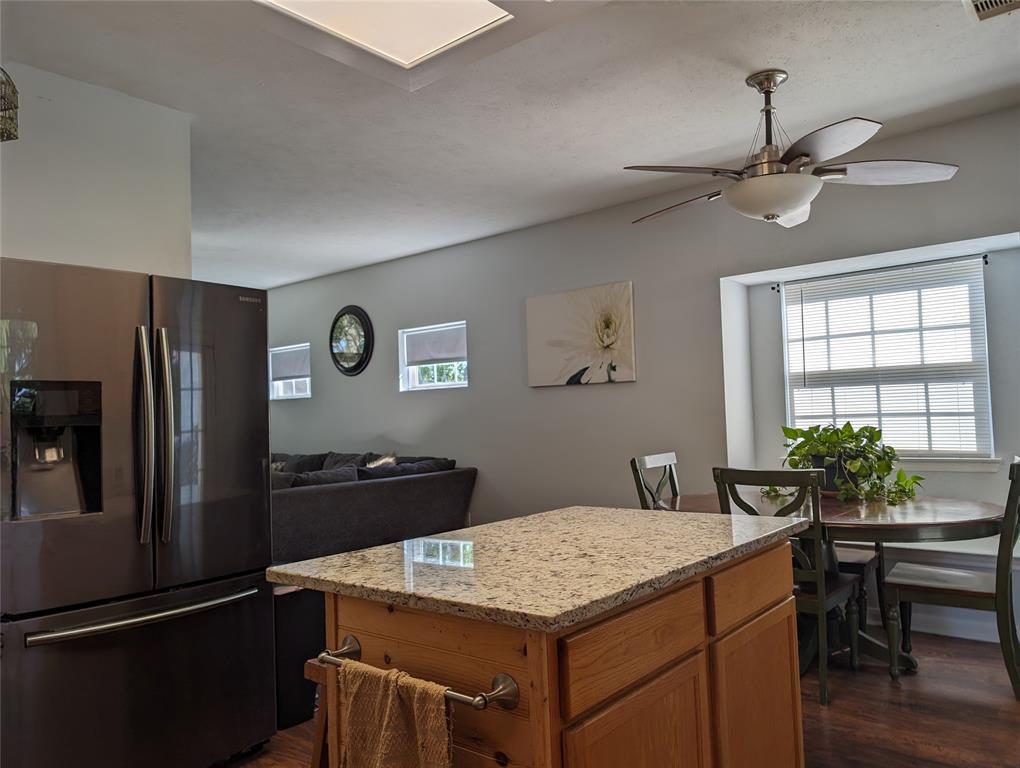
(402,470)
(303,462)
(334,460)
(280,480)
(326,476)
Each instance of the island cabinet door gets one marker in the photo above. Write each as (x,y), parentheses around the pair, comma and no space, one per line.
(663,723)
(756,693)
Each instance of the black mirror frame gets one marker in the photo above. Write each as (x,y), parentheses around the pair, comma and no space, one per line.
(366,355)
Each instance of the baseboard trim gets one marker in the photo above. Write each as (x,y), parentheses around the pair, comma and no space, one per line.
(949,622)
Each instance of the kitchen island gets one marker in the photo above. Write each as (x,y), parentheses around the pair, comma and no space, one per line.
(634,637)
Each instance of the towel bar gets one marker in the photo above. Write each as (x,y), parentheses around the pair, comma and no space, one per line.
(504,688)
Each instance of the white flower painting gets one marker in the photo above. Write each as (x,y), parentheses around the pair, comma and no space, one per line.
(582,337)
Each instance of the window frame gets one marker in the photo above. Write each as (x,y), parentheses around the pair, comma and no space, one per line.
(307,380)
(408,375)
(974,373)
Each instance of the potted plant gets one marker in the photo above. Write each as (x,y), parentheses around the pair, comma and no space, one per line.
(858,466)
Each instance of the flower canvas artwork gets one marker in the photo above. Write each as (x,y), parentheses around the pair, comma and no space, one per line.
(584,336)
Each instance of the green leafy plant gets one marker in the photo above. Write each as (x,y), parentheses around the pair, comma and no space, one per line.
(857,464)
(775,492)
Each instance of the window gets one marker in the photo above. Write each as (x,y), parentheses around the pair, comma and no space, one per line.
(453,553)
(902,349)
(290,372)
(433,357)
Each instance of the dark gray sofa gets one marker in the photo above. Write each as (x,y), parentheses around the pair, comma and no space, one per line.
(317,520)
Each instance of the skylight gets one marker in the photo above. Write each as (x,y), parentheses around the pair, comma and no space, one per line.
(405,32)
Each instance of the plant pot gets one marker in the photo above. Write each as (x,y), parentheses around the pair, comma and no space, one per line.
(829,488)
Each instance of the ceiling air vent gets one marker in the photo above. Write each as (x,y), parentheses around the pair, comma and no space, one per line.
(982,10)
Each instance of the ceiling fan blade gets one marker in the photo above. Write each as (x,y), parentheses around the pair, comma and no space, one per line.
(703,198)
(881,172)
(832,140)
(797,217)
(727,172)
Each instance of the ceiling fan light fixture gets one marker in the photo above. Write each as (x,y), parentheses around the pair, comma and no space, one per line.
(769,198)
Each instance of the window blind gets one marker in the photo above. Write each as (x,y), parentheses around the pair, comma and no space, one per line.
(292,362)
(435,344)
(902,349)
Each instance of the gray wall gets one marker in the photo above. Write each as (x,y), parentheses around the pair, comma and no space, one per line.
(543,448)
(97,178)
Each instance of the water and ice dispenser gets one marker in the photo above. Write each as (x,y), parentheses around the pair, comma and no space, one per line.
(56,447)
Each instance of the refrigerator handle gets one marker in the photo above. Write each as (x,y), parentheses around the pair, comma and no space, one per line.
(148,436)
(163,349)
(57,636)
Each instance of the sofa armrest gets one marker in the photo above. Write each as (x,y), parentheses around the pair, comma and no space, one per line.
(314,521)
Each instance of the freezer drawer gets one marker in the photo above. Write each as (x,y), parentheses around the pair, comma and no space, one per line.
(177,680)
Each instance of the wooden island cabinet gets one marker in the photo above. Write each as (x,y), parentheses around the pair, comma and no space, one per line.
(686,660)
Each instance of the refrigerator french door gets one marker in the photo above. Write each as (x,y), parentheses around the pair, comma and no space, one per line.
(134,526)
(210,370)
(73,463)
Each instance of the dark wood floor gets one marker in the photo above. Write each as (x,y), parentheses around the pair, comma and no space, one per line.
(958,711)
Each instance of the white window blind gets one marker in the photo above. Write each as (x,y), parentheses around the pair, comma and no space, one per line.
(902,349)
(433,357)
(290,372)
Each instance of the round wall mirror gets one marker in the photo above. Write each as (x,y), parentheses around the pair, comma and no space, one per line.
(351,340)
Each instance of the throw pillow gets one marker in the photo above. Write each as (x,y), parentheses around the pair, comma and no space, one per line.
(384,460)
(304,462)
(281,480)
(326,477)
(277,466)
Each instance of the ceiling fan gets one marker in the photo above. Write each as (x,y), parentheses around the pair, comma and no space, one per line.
(779,180)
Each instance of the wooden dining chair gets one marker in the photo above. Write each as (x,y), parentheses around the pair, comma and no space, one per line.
(651,496)
(965,588)
(818,590)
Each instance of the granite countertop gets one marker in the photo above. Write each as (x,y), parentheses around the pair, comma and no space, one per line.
(546,571)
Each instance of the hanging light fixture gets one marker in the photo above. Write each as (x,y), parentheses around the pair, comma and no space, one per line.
(8,107)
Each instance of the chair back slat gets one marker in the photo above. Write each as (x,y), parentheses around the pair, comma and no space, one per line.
(729,481)
(807,566)
(651,495)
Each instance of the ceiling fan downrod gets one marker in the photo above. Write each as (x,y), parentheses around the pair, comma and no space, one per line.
(766,82)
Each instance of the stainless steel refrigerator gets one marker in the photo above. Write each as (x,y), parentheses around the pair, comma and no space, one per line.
(137,625)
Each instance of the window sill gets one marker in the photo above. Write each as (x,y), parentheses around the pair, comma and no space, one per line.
(433,388)
(991,465)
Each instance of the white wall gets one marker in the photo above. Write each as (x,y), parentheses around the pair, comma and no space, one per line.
(543,448)
(96,178)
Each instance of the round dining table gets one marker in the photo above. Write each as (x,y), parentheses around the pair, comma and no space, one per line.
(916,520)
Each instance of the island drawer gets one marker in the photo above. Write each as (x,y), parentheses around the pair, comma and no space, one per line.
(609,657)
(746,589)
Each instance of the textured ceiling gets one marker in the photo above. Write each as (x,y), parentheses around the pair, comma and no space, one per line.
(302,166)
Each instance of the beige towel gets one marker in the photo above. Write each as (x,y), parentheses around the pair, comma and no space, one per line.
(389,719)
